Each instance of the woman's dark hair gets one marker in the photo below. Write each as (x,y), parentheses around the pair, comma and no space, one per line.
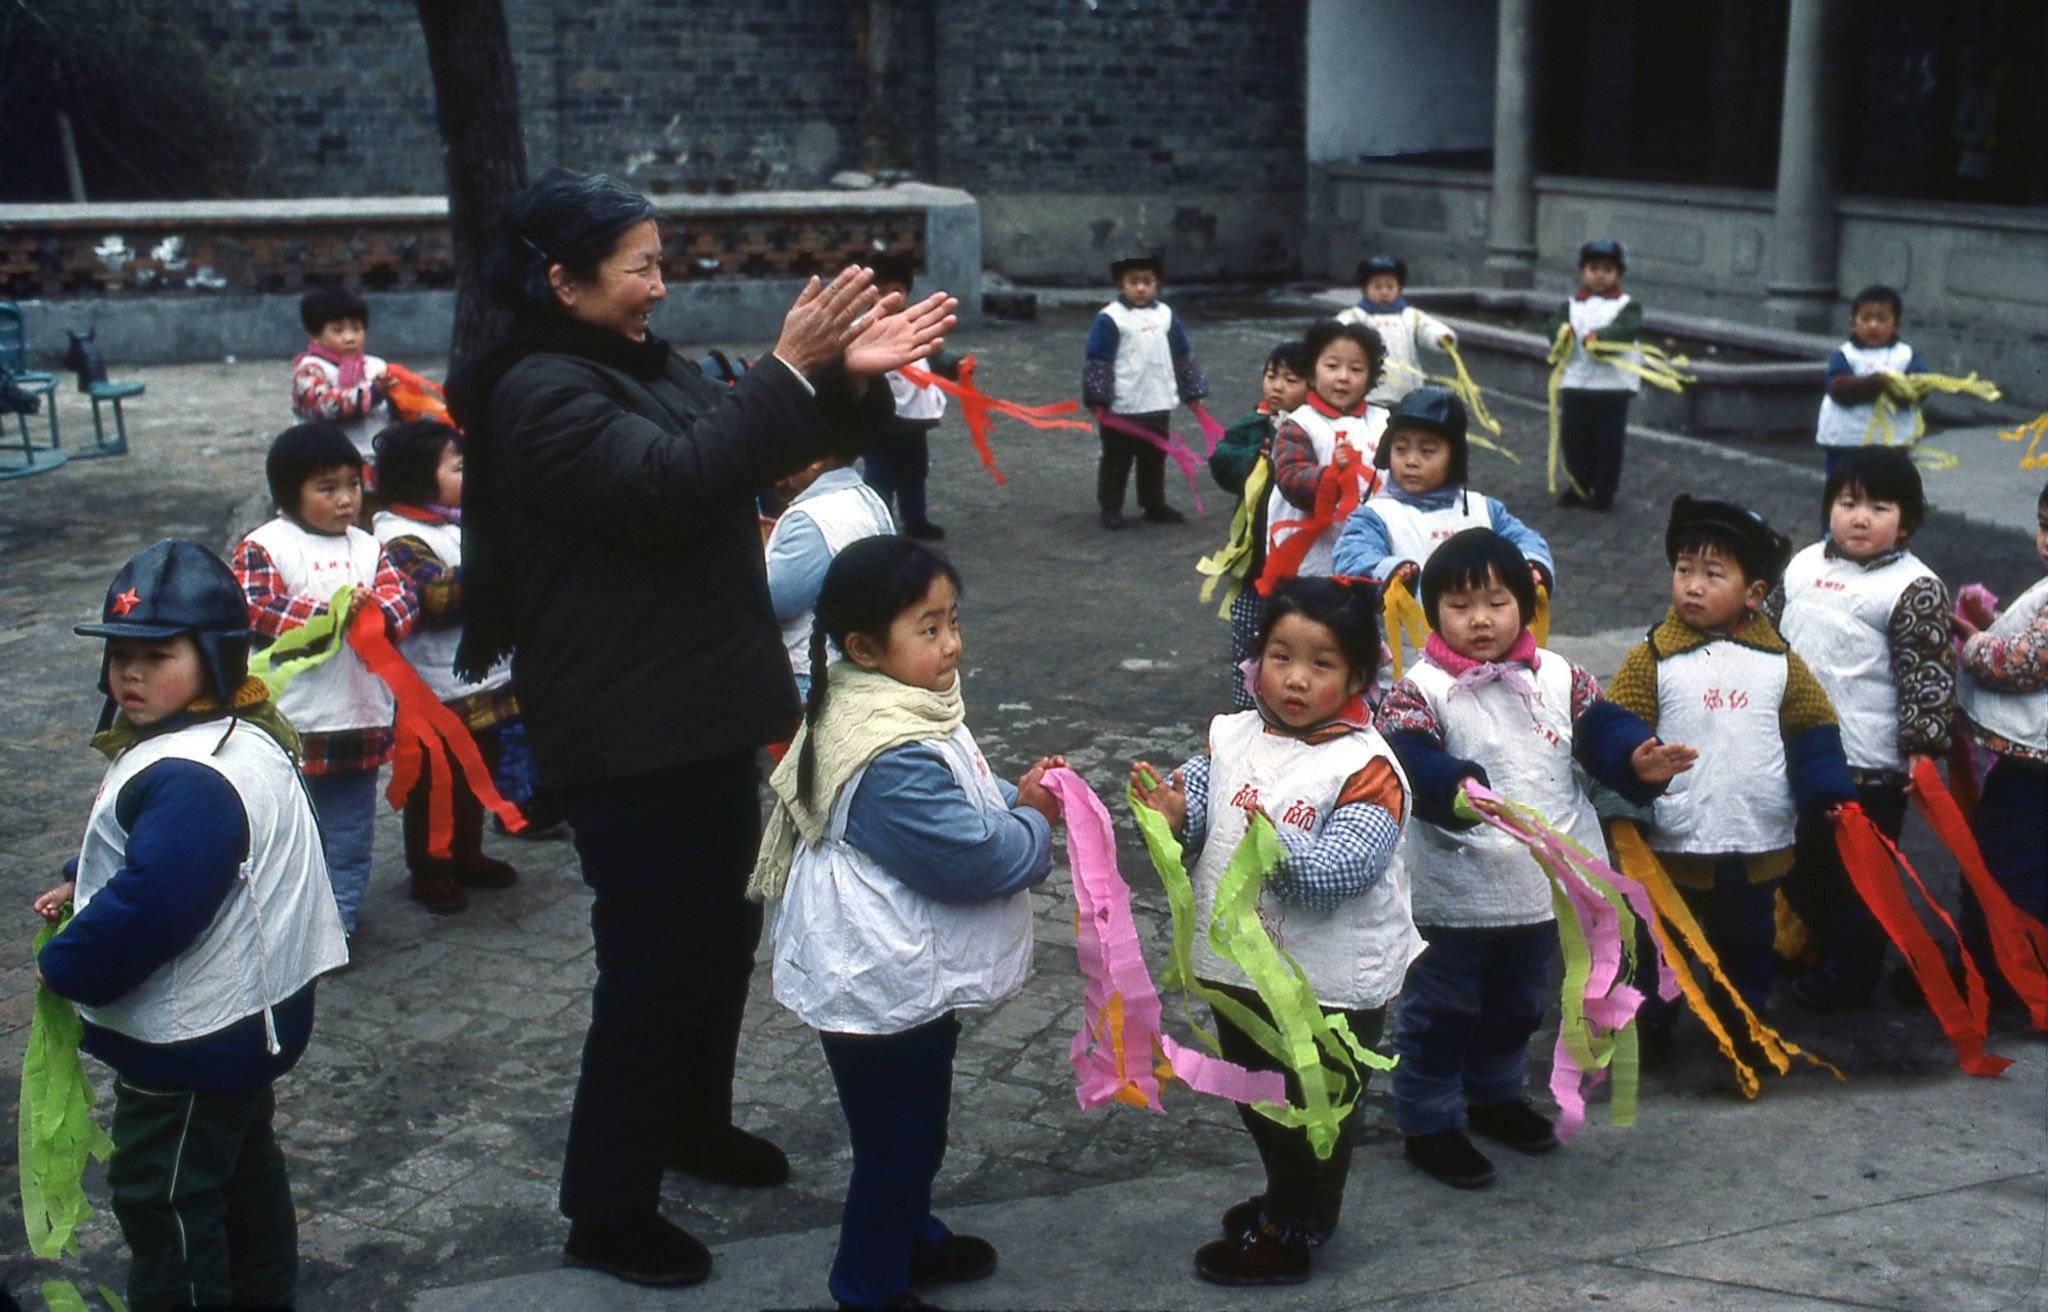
(1468,560)
(1882,473)
(1879,294)
(1324,331)
(409,460)
(323,305)
(1351,611)
(300,452)
(1292,355)
(866,587)
(566,218)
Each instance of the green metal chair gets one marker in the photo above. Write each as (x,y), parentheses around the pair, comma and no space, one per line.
(34,458)
(83,357)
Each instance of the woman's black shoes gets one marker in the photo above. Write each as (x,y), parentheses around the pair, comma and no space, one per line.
(729,1155)
(650,1252)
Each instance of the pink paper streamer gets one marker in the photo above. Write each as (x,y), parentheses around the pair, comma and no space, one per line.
(1212,428)
(1176,450)
(1606,1001)
(1112,964)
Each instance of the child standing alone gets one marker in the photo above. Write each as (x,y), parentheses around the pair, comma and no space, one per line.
(203,919)
(1308,758)
(1593,400)
(901,865)
(1486,704)
(1139,365)
(290,569)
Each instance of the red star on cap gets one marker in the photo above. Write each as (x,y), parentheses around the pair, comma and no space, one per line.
(126,602)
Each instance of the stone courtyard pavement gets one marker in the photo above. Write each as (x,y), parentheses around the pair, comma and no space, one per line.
(425,1125)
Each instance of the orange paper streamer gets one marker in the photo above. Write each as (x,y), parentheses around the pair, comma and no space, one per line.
(2018,941)
(414,397)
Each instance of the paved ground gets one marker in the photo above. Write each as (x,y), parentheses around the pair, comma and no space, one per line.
(425,1125)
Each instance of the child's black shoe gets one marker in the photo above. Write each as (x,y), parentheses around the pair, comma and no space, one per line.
(1113,520)
(1516,1124)
(954,1260)
(1450,1157)
(907,1303)
(1242,1218)
(1823,991)
(484,872)
(1164,515)
(650,1252)
(1256,1258)
(435,889)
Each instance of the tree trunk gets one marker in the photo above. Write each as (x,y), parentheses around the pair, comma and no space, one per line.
(476,101)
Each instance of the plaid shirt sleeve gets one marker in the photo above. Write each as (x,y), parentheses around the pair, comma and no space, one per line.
(437,586)
(273,612)
(1296,470)
(1194,786)
(394,596)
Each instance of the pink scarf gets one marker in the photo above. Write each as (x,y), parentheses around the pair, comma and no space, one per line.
(351,367)
(1471,674)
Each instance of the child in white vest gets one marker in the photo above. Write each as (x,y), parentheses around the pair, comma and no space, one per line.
(1867,366)
(419,474)
(1246,446)
(290,569)
(899,464)
(1594,396)
(1324,451)
(1486,704)
(1872,622)
(1717,676)
(1403,328)
(2003,694)
(830,509)
(1424,502)
(1138,366)
(334,380)
(902,867)
(203,919)
(1308,758)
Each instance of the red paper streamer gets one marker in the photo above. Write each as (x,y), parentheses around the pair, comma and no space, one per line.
(2018,941)
(1338,491)
(976,407)
(414,397)
(1873,863)
(431,739)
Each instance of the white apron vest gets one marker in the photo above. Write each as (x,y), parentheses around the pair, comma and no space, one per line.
(340,693)
(276,930)
(1581,370)
(2020,717)
(858,951)
(1354,956)
(1403,332)
(1849,425)
(1414,534)
(1723,698)
(920,401)
(1838,617)
(1145,382)
(362,429)
(1363,434)
(432,651)
(843,517)
(1480,877)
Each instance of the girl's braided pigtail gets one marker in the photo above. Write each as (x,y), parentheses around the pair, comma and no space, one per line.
(813,705)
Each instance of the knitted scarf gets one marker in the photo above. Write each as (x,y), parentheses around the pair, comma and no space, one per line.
(865,713)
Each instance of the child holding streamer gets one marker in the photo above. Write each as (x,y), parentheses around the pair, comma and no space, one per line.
(1404,330)
(1323,455)
(1138,366)
(1716,675)
(1872,621)
(1309,760)
(1869,365)
(1593,400)
(901,865)
(2003,695)
(1424,500)
(1486,704)
(899,464)
(1247,445)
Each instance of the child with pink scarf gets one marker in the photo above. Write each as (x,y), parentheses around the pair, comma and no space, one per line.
(334,380)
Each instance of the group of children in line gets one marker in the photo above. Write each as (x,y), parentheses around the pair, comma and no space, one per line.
(231,829)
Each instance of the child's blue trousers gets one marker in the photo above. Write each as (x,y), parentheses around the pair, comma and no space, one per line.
(2011,825)
(1470,1005)
(896,1091)
(1740,922)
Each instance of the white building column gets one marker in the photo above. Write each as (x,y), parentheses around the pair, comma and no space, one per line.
(1511,214)
(1802,291)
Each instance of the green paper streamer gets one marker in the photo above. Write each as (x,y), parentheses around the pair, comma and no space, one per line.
(63,1296)
(57,1132)
(313,643)
(1320,1049)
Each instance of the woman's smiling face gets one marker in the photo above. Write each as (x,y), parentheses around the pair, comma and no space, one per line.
(624,291)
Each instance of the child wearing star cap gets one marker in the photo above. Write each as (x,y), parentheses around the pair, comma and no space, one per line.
(201,921)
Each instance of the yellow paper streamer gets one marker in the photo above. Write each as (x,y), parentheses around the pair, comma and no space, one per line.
(1790,938)
(2038,427)
(1884,414)
(1641,865)
(1649,363)
(1467,391)
(1235,559)
(1406,625)
(1560,353)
